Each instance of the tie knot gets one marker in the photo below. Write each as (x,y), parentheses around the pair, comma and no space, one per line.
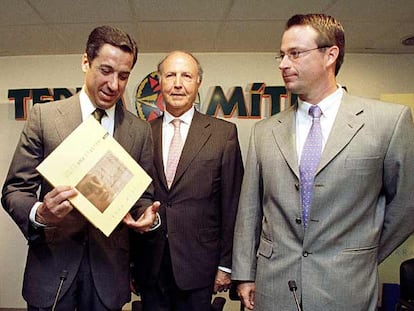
(176,123)
(98,114)
(315,111)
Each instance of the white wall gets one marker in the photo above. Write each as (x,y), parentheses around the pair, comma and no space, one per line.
(364,75)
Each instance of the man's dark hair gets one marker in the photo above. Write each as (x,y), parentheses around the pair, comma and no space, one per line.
(330,32)
(110,35)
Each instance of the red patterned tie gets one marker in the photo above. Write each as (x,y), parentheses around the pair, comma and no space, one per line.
(174,152)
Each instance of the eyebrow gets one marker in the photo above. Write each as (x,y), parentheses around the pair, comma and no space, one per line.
(105,66)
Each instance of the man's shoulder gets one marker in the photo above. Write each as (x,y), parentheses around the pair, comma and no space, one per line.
(375,110)
(373,103)
(283,116)
(65,105)
(215,121)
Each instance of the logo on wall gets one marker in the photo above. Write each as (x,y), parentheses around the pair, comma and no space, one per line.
(256,101)
(148,99)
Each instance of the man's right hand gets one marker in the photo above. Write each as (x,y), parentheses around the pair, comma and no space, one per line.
(246,290)
(55,205)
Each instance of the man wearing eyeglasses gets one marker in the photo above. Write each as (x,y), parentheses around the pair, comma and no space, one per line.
(328,187)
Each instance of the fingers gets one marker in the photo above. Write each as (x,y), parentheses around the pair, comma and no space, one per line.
(247,300)
(146,221)
(60,194)
(246,291)
(55,205)
(155,206)
(247,303)
(222,281)
(128,219)
(220,288)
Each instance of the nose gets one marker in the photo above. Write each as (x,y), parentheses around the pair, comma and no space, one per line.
(114,82)
(284,62)
(178,81)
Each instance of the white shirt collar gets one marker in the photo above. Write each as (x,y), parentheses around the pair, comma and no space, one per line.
(328,105)
(186,117)
(87,107)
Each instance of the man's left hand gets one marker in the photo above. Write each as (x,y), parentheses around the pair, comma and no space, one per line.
(145,222)
(222,281)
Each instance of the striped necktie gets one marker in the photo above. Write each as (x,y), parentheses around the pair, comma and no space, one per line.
(98,114)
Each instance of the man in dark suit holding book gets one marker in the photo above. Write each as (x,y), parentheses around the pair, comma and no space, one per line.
(63,245)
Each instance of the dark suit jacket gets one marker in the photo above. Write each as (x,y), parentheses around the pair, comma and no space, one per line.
(58,248)
(198,212)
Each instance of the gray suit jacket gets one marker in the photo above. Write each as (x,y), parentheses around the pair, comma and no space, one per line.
(362,208)
(199,210)
(58,248)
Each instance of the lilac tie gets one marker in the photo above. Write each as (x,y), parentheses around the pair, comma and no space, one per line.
(309,161)
(174,152)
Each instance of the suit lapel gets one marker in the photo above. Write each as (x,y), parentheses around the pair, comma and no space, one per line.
(68,116)
(198,134)
(284,134)
(347,123)
(158,152)
(123,131)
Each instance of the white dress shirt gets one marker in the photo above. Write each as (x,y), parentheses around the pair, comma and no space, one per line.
(329,106)
(87,108)
(168,131)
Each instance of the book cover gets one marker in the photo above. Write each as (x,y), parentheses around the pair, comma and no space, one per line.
(108,180)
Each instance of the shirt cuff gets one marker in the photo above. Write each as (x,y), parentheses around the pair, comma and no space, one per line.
(32,216)
(156,223)
(225,269)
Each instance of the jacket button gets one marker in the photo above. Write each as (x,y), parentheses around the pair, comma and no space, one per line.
(305,254)
(298,221)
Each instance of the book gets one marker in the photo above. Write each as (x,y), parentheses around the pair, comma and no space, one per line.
(108,180)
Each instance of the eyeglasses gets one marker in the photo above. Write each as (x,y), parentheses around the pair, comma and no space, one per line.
(295,54)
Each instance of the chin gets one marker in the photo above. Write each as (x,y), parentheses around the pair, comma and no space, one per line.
(106,105)
(290,87)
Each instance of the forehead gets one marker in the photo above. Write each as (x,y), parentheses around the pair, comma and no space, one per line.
(299,36)
(179,62)
(115,57)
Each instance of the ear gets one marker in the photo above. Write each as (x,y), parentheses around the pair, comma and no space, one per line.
(332,55)
(85,63)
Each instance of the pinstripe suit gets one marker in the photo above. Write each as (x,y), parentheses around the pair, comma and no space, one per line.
(198,211)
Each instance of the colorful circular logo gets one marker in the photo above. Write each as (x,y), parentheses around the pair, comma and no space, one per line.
(148,100)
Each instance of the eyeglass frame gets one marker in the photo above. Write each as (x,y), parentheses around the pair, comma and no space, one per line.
(295,54)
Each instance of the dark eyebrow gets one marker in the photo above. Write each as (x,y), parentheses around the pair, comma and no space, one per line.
(105,66)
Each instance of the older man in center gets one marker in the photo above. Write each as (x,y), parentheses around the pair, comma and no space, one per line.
(180,265)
